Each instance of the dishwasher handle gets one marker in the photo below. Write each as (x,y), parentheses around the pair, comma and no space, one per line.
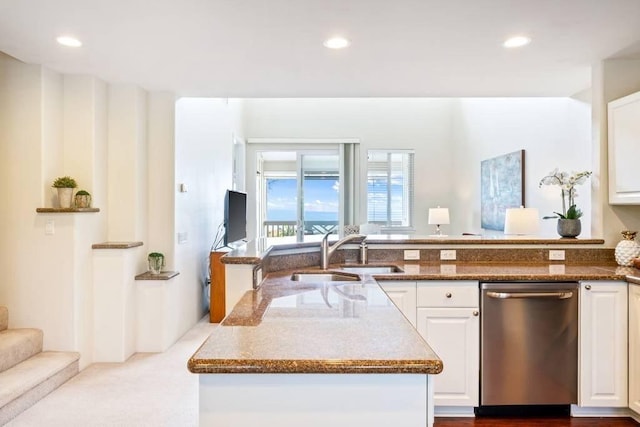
(508,295)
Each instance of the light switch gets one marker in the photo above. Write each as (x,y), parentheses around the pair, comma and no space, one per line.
(448,254)
(411,254)
(556,255)
(49,227)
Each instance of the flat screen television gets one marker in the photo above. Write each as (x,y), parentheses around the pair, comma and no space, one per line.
(235,216)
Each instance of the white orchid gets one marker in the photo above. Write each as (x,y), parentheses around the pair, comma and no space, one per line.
(567,183)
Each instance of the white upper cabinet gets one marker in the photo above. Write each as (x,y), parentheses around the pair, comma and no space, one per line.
(624,150)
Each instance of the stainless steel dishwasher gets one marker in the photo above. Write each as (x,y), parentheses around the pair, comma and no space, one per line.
(529,343)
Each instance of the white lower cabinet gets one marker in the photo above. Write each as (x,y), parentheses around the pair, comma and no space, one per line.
(634,348)
(448,319)
(403,295)
(603,344)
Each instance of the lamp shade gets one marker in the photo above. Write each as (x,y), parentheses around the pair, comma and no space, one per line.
(522,221)
(438,216)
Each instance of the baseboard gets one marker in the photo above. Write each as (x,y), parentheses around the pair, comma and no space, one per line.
(577,411)
(523,410)
(634,415)
(454,411)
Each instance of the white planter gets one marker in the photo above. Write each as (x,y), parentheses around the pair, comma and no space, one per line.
(65,196)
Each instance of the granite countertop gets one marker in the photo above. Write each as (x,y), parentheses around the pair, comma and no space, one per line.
(255,251)
(341,327)
(476,271)
(351,327)
(505,272)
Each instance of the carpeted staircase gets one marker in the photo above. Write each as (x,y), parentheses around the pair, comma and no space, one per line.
(27,373)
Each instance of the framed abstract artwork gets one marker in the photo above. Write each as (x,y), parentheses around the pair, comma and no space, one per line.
(502,187)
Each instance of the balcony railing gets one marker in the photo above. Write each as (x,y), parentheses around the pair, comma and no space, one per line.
(289,228)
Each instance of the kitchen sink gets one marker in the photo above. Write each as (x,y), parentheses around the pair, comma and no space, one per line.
(325,276)
(372,269)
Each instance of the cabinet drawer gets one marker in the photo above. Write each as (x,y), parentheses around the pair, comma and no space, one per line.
(448,294)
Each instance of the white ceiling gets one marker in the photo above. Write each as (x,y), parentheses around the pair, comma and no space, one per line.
(273,48)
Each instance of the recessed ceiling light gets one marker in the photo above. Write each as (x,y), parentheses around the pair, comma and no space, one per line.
(69,41)
(336,43)
(517,41)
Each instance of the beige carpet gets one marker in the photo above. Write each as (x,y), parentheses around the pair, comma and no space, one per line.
(149,389)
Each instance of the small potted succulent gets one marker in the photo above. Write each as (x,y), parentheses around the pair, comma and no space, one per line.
(65,186)
(82,199)
(156,262)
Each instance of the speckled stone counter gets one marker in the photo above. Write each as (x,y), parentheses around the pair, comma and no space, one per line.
(503,272)
(255,251)
(292,327)
(288,327)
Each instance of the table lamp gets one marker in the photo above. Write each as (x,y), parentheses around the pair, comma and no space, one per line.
(438,216)
(521,221)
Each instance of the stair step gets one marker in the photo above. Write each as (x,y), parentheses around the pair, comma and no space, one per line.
(17,345)
(31,380)
(4,318)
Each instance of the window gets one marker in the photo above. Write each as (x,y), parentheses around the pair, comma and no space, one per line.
(390,188)
(299,192)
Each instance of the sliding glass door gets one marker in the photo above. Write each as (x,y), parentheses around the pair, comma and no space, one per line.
(318,193)
(299,193)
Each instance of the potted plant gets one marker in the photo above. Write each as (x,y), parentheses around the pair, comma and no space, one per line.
(82,199)
(156,262)
(65,186)
(569,219)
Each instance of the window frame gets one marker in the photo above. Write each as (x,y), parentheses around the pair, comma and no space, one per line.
(408,190)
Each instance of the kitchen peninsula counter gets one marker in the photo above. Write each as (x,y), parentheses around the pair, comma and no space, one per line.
(344,327)
(282,330)
(315,354)
(295,327)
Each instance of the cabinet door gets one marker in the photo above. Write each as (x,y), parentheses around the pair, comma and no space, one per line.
(603,344)
(403,295)
(454,334)
(624,150)
(634,348)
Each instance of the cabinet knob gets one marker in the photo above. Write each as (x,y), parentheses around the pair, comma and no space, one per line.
(448,294)
(587,287)
(475,313)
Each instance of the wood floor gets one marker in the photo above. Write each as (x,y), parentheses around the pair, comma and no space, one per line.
(534,422)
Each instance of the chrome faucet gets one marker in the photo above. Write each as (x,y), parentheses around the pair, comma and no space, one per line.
(326,251)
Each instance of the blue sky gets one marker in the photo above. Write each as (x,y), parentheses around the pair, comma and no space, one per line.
(321,199)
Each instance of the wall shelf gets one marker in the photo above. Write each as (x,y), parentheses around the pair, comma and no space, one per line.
(116,245)
(67,210)
(163,275)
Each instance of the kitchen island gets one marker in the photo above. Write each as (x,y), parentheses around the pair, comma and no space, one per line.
(410,283)
(315,354)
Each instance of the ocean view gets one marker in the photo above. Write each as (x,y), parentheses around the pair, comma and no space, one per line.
(289,215)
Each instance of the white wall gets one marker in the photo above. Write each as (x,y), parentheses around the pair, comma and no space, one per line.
(161,171)
(612,79)
(204,141)
(118,141)
(46,282)
(423,124)
(554,132)
(127,163)
(450,137)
